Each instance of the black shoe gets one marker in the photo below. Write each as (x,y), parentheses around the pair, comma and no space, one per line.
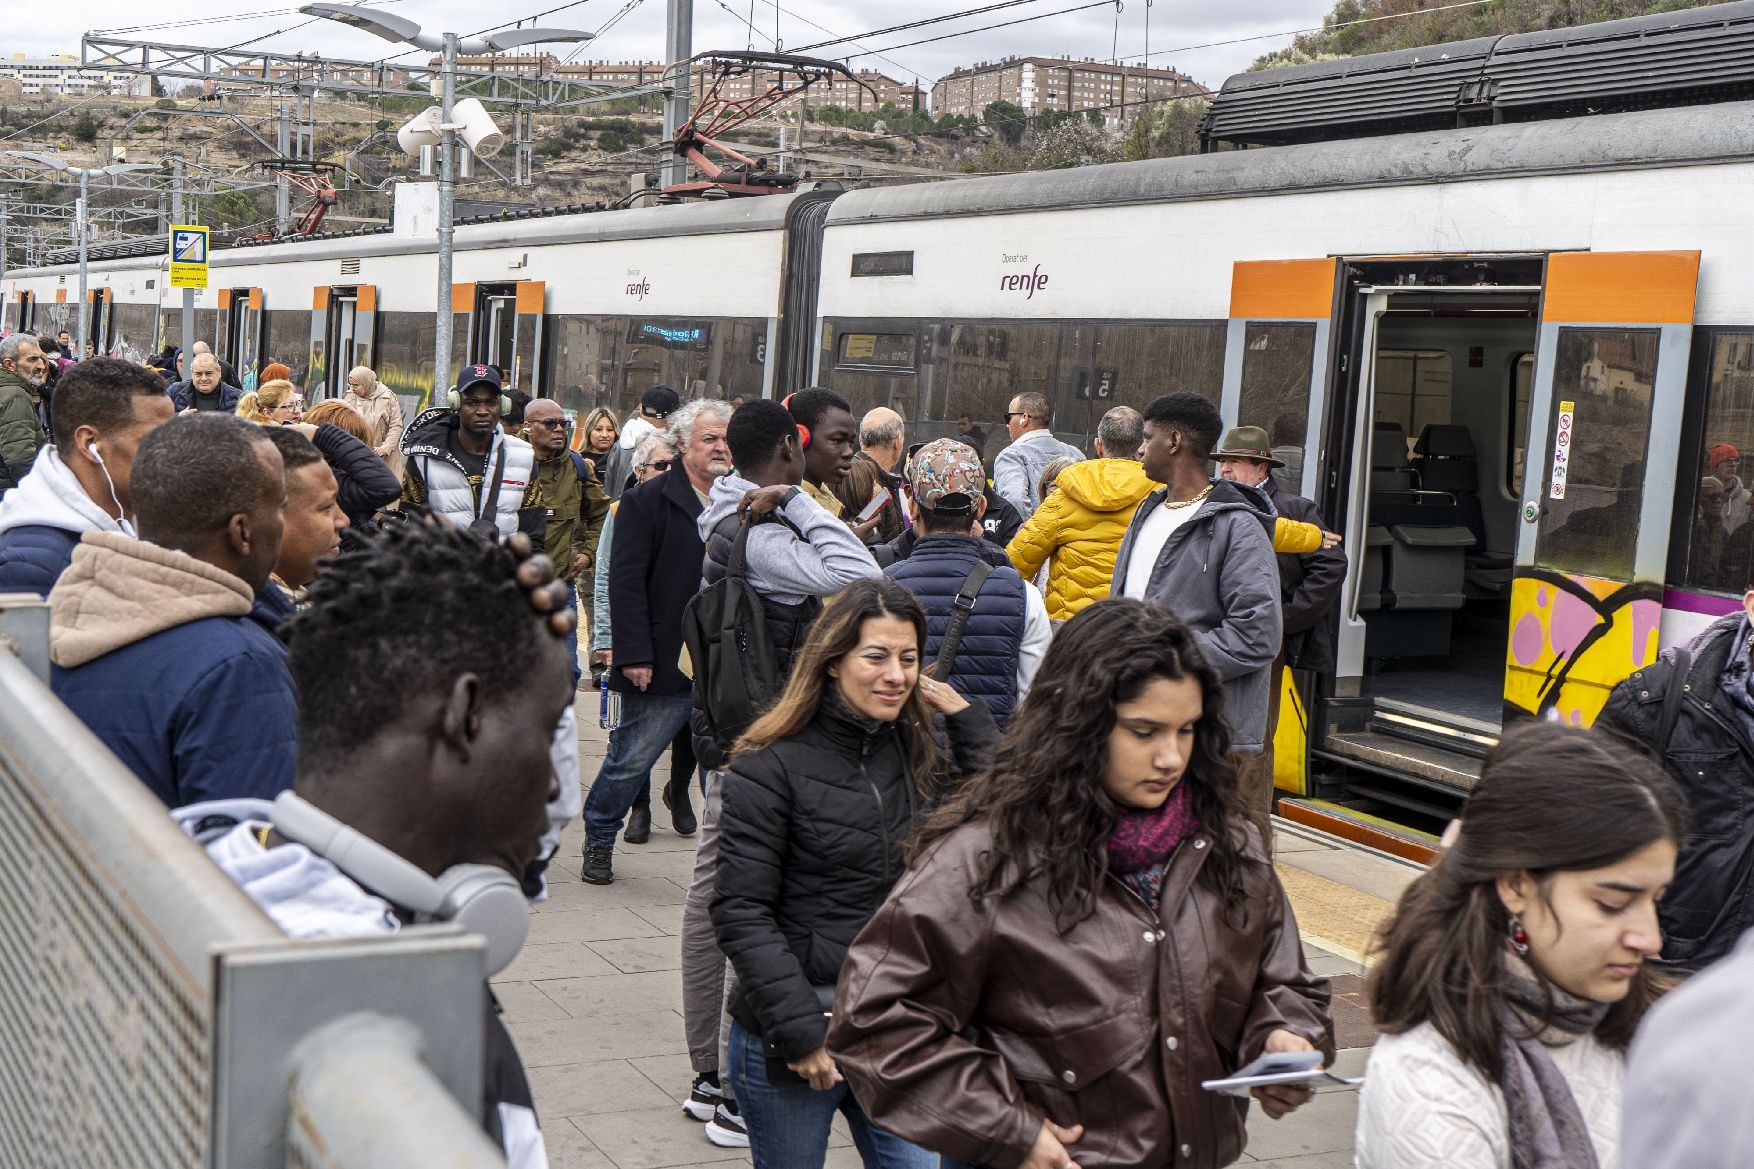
(639,825)
(682,818)
(599,864)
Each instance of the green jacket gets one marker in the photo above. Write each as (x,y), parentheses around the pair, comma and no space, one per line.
(575,506)
(21,431)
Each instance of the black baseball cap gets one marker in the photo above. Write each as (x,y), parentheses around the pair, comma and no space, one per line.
(660,401)
(478,375)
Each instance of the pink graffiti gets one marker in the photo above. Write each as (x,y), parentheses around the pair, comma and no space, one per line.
(1526,640)
(1572,619)
(1647,617)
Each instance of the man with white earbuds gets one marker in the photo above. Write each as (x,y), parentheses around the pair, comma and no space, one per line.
(103,408)
(423,762)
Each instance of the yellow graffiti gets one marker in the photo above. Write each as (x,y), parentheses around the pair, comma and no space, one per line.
(1290,739)
(1573,639)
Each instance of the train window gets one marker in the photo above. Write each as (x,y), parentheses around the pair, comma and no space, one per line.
(882,350)
(1720,538)
(1413,388)
(1522,380)
(611,361)
(1277,360)
(1602,385)
(883,263)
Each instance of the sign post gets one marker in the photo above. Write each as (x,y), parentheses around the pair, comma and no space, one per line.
(188,261)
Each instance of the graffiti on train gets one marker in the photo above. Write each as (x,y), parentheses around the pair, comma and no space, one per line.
(1573,639)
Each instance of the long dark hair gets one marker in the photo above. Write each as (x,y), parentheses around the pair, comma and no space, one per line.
(1550,799)
(833,636)
(1043,792)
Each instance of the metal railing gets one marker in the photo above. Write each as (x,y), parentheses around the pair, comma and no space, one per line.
(152,1015)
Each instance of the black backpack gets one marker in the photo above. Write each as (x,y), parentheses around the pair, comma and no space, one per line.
(736,669)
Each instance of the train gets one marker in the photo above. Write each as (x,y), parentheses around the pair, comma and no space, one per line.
(1509,351)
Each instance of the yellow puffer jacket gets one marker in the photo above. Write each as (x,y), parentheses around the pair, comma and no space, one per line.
(1077,531)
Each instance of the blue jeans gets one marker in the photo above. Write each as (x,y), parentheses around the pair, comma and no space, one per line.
(572,643)
(789,1123)
(648,723)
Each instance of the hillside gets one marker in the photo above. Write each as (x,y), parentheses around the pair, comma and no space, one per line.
(1341,37)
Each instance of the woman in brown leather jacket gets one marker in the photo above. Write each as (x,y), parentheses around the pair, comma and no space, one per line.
(1088,930)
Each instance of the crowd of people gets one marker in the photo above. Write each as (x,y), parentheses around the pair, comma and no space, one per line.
(984,856)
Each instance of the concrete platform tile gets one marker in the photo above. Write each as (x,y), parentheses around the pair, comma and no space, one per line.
(524,1002)
(599,1037)
(673,1074)
(638,861)
(654,1138)
(1362,871)
(1313,1161)
(640,955)
(629,892)
(666,917)
(1285,841)
(568,1146)
(589,1089)
(614,994)
(1324,1125)
(553,960)
(580,917)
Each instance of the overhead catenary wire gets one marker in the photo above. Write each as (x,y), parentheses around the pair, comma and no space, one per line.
(912,24)
(1002,24)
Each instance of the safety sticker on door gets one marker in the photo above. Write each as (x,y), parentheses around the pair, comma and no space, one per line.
(1561,450)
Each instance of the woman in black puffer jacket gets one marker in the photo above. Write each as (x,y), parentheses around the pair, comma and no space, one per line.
(822,797)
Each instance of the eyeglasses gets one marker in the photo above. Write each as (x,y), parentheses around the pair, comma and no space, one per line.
(552,423)
(660,465)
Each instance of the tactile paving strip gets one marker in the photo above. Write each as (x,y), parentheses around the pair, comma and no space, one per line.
(1336,917)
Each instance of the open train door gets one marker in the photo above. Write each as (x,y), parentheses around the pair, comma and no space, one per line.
(524,369)
(98,304)
(240,332)
(343,334)
(1275,365)
(1598,478)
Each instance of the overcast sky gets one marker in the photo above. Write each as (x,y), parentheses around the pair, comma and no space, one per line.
(1179,25)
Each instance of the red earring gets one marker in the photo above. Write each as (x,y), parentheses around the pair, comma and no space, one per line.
(1519,937)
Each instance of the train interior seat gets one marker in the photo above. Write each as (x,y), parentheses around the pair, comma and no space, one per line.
(1390,469)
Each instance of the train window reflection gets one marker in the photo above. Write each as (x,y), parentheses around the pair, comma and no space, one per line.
(1276,363)
(886,350)
(1719,548)
(1594,485)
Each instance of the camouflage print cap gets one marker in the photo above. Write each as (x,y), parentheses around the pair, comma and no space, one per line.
(946,475)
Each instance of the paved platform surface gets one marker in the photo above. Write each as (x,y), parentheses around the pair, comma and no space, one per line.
(595,1000)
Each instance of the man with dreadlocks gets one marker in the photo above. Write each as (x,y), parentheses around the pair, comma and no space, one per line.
(423,725)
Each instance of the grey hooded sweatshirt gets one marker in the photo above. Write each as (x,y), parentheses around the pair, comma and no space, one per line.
(810,554)
(1217,573)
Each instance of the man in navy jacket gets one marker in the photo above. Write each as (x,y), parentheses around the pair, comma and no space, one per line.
(103,409)
(151,639)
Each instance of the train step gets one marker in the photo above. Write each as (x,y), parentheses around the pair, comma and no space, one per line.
(1428,760)
(1359,828)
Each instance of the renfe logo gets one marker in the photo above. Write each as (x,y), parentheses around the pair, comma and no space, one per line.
(1024,282)
(639,288)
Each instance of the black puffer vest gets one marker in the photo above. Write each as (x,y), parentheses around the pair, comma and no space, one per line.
(986,663)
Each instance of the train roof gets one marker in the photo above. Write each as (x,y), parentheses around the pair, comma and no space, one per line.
(1667,58)
(569,223)
(1634,141)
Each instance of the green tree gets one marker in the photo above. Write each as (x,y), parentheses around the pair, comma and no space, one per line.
(1166,130)
(86,128)
(1010,122)
(232,209)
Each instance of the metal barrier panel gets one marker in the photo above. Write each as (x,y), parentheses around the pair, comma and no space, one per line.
(152,1017)
(109,916)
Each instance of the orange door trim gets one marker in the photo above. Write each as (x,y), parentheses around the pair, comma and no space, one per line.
(532,296)
(365,298)
(1613,288)
(462,298)
(319,298)
(1296,289)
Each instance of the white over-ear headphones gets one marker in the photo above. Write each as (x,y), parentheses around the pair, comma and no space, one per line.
(480,898)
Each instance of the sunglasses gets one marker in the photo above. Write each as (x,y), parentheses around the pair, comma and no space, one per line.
(550,423)
(1010,414)
(660,465)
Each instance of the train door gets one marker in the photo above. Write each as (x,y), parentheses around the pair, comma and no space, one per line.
(1275,377)
(99,305)
(505,331)
(1610,380)
(240,332)
(343,335)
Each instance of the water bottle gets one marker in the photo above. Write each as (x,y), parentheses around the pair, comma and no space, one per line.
(608,705)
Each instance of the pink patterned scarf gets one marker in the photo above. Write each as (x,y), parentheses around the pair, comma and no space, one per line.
(1143,837)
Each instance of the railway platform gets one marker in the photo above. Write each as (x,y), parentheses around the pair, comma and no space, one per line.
(595,999)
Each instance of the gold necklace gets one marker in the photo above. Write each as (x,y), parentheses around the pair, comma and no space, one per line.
(1190,502)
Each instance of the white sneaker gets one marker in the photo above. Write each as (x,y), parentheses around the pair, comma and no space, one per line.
(726,1129)
(704,1098)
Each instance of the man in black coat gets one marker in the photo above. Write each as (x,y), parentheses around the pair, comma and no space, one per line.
(1309,582)
(654,571)
(1694,707)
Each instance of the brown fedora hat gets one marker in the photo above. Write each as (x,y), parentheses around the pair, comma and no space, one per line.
(1247,442)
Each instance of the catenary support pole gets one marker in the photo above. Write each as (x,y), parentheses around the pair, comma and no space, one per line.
(441,357)
(83,310)
(678,48)
(187,316)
